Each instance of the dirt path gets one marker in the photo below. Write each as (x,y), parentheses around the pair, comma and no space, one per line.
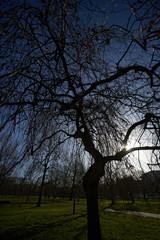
(140,214)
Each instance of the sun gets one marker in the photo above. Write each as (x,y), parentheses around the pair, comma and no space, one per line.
(129,145)
(132,143)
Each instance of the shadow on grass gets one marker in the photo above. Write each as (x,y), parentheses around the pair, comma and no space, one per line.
(33,232)
(79,235)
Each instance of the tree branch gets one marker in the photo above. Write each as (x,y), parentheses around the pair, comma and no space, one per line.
(120,72)
(147,119)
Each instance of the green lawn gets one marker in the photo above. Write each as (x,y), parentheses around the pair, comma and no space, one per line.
(34,199)
(152,206)
(47,222)
(56,222)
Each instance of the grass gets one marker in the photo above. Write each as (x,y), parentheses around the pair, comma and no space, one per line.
(56,222)
(117,226)
(34,199)
(151,206)
(47,222)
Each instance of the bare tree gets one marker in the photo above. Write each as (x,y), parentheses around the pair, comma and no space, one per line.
(94,75)
(111,171)
(9,155)
(55,176)
(43,160)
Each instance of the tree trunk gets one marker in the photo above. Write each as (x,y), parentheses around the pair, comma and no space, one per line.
(111,187)
(74,202)
(41,187)
(73,182)
(40,197)
(131,197)
(90,185)
(28,195)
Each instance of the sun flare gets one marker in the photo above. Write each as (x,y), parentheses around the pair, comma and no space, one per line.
(129,145)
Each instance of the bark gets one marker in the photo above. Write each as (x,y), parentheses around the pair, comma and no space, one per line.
(90,185)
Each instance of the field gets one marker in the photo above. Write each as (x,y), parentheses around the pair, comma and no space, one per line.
(56,221)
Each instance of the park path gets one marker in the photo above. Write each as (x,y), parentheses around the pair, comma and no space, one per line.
(140,214)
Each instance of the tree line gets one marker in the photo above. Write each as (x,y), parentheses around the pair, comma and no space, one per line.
(64,185)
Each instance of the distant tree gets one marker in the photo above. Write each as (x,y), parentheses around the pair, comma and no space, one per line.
(127,187)
(55,179)
(9,155)
(114,171)
(150,184)
(76,170)
(44,160)
(86,69)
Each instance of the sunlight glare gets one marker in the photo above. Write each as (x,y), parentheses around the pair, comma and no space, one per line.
(129,145)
